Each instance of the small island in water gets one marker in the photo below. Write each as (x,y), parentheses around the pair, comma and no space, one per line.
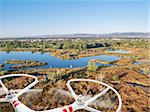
(24,63)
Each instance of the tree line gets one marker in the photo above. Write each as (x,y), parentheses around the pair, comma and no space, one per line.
(74,44)
(51,44)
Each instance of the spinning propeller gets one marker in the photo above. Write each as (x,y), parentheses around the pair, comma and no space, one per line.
(81,102)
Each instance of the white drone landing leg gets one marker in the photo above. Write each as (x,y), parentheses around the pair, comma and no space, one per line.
(80,102)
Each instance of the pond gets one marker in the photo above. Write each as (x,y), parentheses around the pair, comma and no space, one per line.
(119,51)
(53,62)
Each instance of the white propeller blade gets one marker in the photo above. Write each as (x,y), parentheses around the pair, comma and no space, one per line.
(98,95)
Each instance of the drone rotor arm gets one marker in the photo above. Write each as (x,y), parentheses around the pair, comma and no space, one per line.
(27,88)
(71,90)
(98,95)
(3,100)
(3,86)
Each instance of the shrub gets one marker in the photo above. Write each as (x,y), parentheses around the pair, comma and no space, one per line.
(92,66)
(115,78)
(2,72)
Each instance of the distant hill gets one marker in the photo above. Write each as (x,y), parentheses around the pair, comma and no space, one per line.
(86,35)
(108,35)
(129,35)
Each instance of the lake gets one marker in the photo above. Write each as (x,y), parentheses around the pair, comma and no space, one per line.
(53,62)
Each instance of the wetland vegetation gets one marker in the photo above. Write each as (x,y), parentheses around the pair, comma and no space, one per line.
(123,75)
(24,63)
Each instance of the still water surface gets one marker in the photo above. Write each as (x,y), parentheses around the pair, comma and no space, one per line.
(53,62)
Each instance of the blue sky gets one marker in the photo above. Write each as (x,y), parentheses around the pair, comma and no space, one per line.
(44,17)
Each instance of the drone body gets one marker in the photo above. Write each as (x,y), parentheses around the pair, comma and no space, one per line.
(80,102)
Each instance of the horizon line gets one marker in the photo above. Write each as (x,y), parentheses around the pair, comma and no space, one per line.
(40,35)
